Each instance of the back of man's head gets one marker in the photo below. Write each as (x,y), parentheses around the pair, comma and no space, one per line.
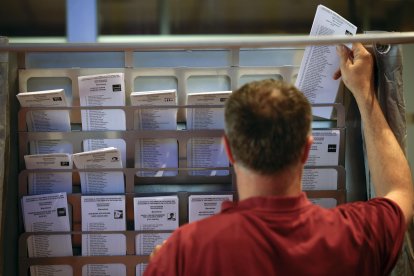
(267,125)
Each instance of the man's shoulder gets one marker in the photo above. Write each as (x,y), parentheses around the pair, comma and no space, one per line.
(374,203)
(379,210)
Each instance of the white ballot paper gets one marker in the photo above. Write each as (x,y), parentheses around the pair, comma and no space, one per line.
(203,206)
(49,182)
(145,243)
(102,90)
(104,270)
(96,144)
(319,179)
(102,182)
(160,152)
(140,269)
(205,152)
(50,146)
(47,120)
(156,213)
(47,213)
(103,213)
(319,63)
(51,270)
(324,202)
(325,148)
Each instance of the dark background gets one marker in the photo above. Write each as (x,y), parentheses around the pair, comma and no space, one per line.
(145,17)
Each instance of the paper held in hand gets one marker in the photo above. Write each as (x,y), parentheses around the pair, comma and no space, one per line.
(319,63)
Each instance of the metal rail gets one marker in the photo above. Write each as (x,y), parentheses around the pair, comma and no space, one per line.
(212,42)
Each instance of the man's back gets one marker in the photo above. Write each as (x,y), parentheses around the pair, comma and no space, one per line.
(287,236)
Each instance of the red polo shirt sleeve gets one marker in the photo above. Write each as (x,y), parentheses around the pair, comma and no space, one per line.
(380,224)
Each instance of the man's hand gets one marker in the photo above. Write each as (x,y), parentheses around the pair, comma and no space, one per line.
(356,69)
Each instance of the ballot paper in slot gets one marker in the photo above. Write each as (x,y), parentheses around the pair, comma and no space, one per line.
(47,120)
(103,269)
(51,181)
(156,213)
(203,206)
(140,269)
(325,148)
(319,179)
(47,213)
(206,152)
(51,270)
(156,152)
(103,213)
(103,181)
(145,244)
(50,146)
(319,63)
(324,202)
(102,90)
(96,144)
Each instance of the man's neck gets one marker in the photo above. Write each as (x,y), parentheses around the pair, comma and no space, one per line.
(284,183)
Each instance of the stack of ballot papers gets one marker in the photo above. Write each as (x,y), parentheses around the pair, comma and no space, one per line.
(153,213)
(103,213)
(102,182)
(319,179)
(156,152)
(103,269)
(47,120)
(49,182)
(140,269)
(206,152)
(319,63)
(103,90)
(47,213)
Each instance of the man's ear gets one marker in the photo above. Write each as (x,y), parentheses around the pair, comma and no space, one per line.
(228,149)
(306,150)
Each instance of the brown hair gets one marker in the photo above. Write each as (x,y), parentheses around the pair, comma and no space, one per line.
(267,124)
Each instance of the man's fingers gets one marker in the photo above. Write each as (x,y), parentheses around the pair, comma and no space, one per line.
(337,74)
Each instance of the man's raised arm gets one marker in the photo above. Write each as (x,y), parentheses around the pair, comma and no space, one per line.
(389,168)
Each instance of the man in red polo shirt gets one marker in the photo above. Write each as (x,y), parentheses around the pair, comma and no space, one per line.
(274,229)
